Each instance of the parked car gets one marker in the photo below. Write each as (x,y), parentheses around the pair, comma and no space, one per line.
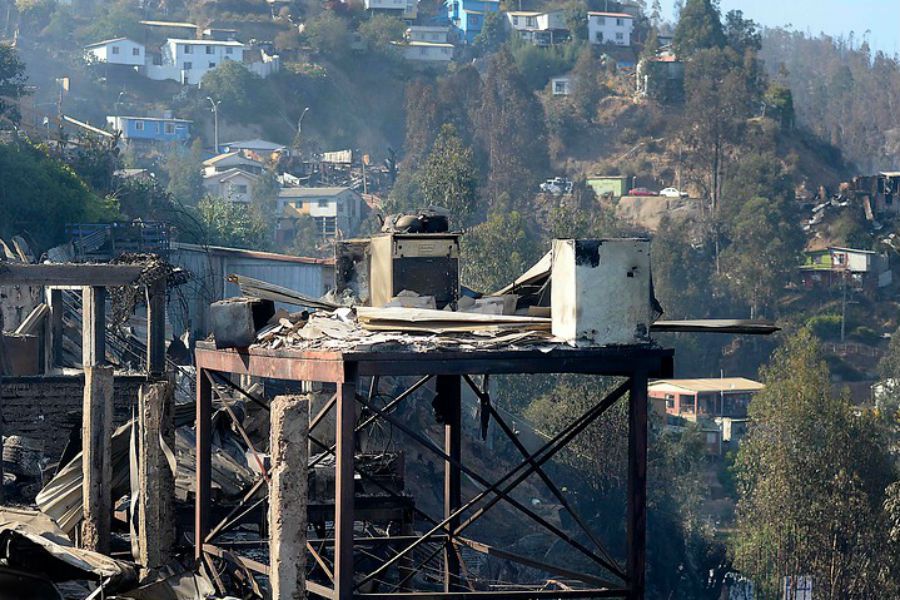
(642,191)
(557,186)
(672,193)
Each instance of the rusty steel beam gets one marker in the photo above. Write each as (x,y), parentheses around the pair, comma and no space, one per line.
(637,486)
(306,366)
(343,484)
(498,595)
(203,476)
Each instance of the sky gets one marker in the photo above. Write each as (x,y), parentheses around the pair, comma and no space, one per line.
(834,17)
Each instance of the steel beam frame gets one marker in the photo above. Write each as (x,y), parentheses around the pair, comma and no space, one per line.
(449,369)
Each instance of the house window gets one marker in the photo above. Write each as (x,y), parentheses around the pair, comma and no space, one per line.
(712,438)
(423,51)
(530,22)
(212,65)
(188,65)
(670,401)
(298,203)
(559,87)
(473,20)
(209,49)
(115,49)
(229,50)
(620,36)
(601,20)
(515,20)
(135,51)
(323,203)
(599,37)
(138,125)
(170,128)
(239,188)
(188,49)
(620,22)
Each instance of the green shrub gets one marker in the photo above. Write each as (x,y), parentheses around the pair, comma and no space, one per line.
(825,327)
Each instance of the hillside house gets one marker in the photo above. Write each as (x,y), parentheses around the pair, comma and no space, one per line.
(717,405)
(407,10)
(538,28)
(231,160)
(836,266)
(155,130)
(467,16)
(256,149)
(711,398)
(234,185)
(335,210)
(427,53)
(613,186)
(610,28)
(118,51)
(428,33)
(880,193)
(187,61)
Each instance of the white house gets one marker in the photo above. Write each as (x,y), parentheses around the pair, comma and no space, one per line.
(539,28)
(427,33)
(405,9)
(561,86)
(434,53)
(188,61)
(234,185)
(334,209)
(231,160)
(118,51)
(610,28)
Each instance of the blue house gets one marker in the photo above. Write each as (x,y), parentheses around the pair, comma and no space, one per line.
(151,129)
(467,16)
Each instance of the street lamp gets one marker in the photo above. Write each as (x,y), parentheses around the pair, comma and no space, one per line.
(215,110)
(300,125)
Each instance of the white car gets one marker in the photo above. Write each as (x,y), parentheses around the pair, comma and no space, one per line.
(672,193)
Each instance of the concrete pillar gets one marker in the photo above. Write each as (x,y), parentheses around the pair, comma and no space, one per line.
(96,464)
(156,482)
(288,497)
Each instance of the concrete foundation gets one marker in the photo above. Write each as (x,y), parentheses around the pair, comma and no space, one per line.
(288,497)
(96,457)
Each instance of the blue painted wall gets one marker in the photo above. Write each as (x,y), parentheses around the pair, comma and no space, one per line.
(467,23)
(156,130)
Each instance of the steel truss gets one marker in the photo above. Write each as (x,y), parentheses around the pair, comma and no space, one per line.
(442,542)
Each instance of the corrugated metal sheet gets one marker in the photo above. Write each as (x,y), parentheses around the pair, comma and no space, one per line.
(188,308)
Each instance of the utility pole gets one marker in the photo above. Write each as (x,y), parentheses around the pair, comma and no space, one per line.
(215,110)
(843,304)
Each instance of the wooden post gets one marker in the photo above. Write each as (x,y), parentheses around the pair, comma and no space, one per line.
(343,486)
(156,327)
(637,486)
(93,327)
(203,480)
(448,391)
(53,330)
(96,464)
(288,497)
(156,482)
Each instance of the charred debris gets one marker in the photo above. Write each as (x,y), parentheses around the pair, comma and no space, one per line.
(289,453)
